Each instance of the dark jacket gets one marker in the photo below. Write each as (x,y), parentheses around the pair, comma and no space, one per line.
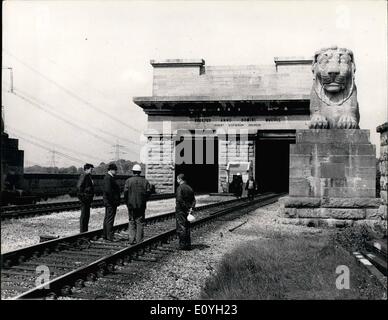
(111,191)
(237,185)
(184,198)
(85,188)
(136,192)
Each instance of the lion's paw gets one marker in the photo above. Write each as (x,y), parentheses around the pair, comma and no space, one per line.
(318,122)
(347,121)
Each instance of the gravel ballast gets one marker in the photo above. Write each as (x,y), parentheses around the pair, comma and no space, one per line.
(19,233)
(181,274)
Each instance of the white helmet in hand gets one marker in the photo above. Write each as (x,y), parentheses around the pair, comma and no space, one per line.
(190,218)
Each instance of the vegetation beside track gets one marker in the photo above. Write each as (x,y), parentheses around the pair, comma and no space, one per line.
(283,266)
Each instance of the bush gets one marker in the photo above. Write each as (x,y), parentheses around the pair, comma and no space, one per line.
(353,238)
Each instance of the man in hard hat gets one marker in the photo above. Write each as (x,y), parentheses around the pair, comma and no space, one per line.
(136,193)
(185,203)
(111,197)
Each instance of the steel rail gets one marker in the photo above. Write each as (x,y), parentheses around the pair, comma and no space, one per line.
(62,285)
(9,212)
(15,257)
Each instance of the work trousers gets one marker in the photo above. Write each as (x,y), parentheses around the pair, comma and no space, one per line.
(84,218)
(109,219)
(136,224)
(251,194)
(183,230)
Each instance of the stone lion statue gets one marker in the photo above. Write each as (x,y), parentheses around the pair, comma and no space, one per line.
(333,101)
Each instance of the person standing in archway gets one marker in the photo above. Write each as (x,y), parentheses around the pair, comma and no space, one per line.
(251,187)
(239,185)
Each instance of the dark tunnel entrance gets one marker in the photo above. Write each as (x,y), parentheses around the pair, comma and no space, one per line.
(197,158)
(273,160)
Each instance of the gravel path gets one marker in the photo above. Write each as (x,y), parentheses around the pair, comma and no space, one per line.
(181,274)
(19,233)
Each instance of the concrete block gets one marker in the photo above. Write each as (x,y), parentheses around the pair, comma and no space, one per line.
(319,223)
(374,214)
(342,192)
(309,213)
(289,212)
(362,161)
(383,211)
(300,187)
(332,135)
(343,213)
(362,149)
(332,170)
(360,171)
(300,172)
(337,182)
(365,183)
(327,213)
(350,202)
(300,160)
(301,202)
(302,149)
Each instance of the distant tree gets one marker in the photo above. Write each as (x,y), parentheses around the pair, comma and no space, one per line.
(124,168)
(72,170)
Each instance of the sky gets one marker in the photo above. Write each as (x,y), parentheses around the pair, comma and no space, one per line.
(76,65)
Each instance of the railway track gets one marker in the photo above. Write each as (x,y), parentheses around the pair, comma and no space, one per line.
(71,262)
(30,210)
(374,257)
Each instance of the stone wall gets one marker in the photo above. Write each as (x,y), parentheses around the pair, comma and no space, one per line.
(160,163)
(383,161)
(181,79)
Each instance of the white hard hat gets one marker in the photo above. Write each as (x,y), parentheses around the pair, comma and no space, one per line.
(238,173)
(136,167)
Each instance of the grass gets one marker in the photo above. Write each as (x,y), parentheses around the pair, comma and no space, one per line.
(354,238)
(285,267)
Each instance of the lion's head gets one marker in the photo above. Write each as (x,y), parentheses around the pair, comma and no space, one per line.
(333,70)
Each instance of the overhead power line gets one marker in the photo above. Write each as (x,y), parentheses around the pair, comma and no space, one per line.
(55,115)
(117,137)
(71,93)
(60,117)
(74,159)
(54,145)
(26,97)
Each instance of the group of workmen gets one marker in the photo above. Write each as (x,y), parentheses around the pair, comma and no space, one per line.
(137,191)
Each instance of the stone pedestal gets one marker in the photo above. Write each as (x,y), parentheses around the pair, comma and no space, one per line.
(332,178)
